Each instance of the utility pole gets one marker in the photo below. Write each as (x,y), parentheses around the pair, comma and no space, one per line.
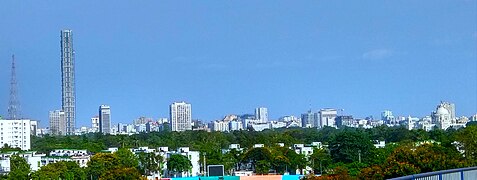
(359,156)
(205,165)
(321,169)
(14,104)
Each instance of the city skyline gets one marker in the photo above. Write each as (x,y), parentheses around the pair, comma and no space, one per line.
(234,59)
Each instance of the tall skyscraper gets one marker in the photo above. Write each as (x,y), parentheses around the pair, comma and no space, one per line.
(68,101)
(104,119)
(261,114)
(181,116)
(57,122)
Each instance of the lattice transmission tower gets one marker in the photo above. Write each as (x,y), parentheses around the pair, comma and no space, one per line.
(14,104)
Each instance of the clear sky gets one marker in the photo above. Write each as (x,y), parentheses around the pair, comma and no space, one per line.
(228,57)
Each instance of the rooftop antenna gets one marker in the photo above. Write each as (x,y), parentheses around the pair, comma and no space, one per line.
(14,104)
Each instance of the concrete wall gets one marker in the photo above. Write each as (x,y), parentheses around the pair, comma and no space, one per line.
(255,177)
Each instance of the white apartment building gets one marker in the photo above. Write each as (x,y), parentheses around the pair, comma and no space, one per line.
(31,157)
(327,117)
(37,160)
(95,124)
(81,157)
(180,116)
(261,114)
(15,133)
(221,126)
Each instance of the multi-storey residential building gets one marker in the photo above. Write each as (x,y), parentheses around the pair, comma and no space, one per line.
(32,157)
(309,120)
(57,122)
(261,114)
(68,95)
(235,125)
(342,121)
(180,116)
(95,124)
(104,119)
(327,117)
(15,133)
(220,125)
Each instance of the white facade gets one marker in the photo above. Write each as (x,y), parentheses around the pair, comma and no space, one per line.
(15,133)
(388,117)
(180,116)
(442,118)
(57,122)
(221,126)
(235,125)
(95,124)
(261,114)
(260,126)
(31,157)
(327,117)
(193,156)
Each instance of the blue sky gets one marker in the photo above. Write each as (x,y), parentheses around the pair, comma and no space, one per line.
(232,56)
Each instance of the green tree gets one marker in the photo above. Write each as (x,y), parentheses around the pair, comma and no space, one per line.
(257,154)
(149,163)
(123,173)
(7,148)
(321,159)
(68,170)
(19,168)
(297,161)
(101,163)
(230,160)
(467,141)
(126,158)
(349,145)
(178,163)
(262,167)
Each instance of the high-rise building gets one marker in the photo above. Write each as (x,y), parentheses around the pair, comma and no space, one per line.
(68,102)
(327,117)
(309,120)
(261,114)
(104,119)
(57,122)
(16,133)
(180,116)
(95,123)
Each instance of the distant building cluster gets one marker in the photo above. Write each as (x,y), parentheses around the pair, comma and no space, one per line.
(180,119)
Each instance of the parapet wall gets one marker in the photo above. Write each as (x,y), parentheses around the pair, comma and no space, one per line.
(255,177)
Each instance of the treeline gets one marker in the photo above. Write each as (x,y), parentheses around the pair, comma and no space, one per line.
(122,164)
(350,153)
(197,140)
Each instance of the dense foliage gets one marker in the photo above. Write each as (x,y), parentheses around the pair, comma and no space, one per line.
(350,152)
